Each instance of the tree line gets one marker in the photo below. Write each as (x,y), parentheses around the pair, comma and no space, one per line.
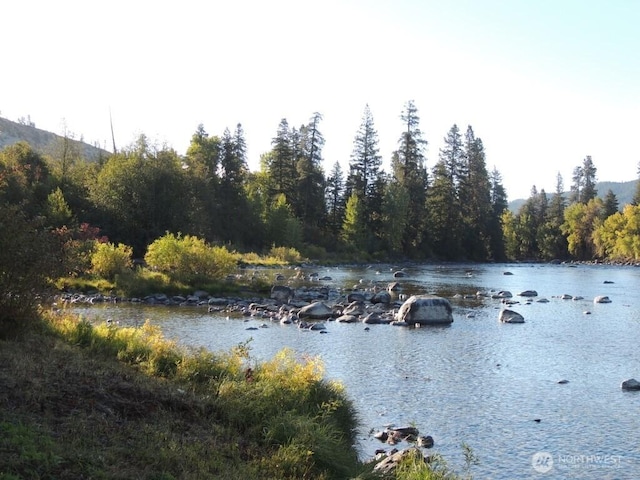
(453,210)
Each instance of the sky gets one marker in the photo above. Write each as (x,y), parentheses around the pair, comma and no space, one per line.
(543,83)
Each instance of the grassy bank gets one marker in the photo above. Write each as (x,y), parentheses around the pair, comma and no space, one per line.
(104,402)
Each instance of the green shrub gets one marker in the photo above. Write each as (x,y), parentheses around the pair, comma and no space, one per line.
(109,260)
(189,259)
(285,254)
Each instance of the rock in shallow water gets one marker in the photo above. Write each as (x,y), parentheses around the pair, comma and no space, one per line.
(510,316)
(631,384)
(425,310)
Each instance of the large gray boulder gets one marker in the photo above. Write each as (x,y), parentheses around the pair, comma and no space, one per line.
(315,310)
(425,310)
(510,316)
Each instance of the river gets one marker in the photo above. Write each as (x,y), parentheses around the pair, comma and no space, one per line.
(490,385)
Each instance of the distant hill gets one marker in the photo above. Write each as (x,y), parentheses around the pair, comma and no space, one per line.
(623,191)
(43,141)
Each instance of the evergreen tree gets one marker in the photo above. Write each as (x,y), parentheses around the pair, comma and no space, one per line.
(443,214)
(475,199)
(610,204)
(530,218)
(282,163)
(499,204)
(408,167)
(365,163)
(375,213)
(236,220)
(636,195)
(335,201)
(589,171)
(453,156)
(201,163)
(583,188)
(551,242)
(365,176)
(443,205)
(309,205)
(395,215)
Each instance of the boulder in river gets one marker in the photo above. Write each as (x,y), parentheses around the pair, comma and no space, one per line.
(602,299)
(315,310)
(510,316)
(425,310)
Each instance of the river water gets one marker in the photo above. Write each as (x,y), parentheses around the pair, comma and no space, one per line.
(489,385)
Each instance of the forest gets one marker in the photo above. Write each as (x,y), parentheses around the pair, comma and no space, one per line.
(451,210)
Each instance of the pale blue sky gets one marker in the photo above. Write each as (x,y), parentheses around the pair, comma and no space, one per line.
(543,83)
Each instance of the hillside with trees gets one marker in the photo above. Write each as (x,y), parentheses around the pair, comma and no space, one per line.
(450,208)
(47,143)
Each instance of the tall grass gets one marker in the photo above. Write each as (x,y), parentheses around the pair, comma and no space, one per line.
(284,404)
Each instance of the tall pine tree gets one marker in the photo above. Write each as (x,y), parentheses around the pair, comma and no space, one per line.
(474,193)
(443,205)
(335,201)
(365,179)
(409,172)
(309,204)
(281,165)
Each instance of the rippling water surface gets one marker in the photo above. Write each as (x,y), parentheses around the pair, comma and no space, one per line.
(477,381)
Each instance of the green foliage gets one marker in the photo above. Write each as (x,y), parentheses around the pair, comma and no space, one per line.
(109,260)
(57,210)
(140,194)
(283,228)
(451,212)
(30,257)
(405,204)
(580,221)
(24,178)
(285,255)
(618,237)
(188,259)
(354,228)
(395,216)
